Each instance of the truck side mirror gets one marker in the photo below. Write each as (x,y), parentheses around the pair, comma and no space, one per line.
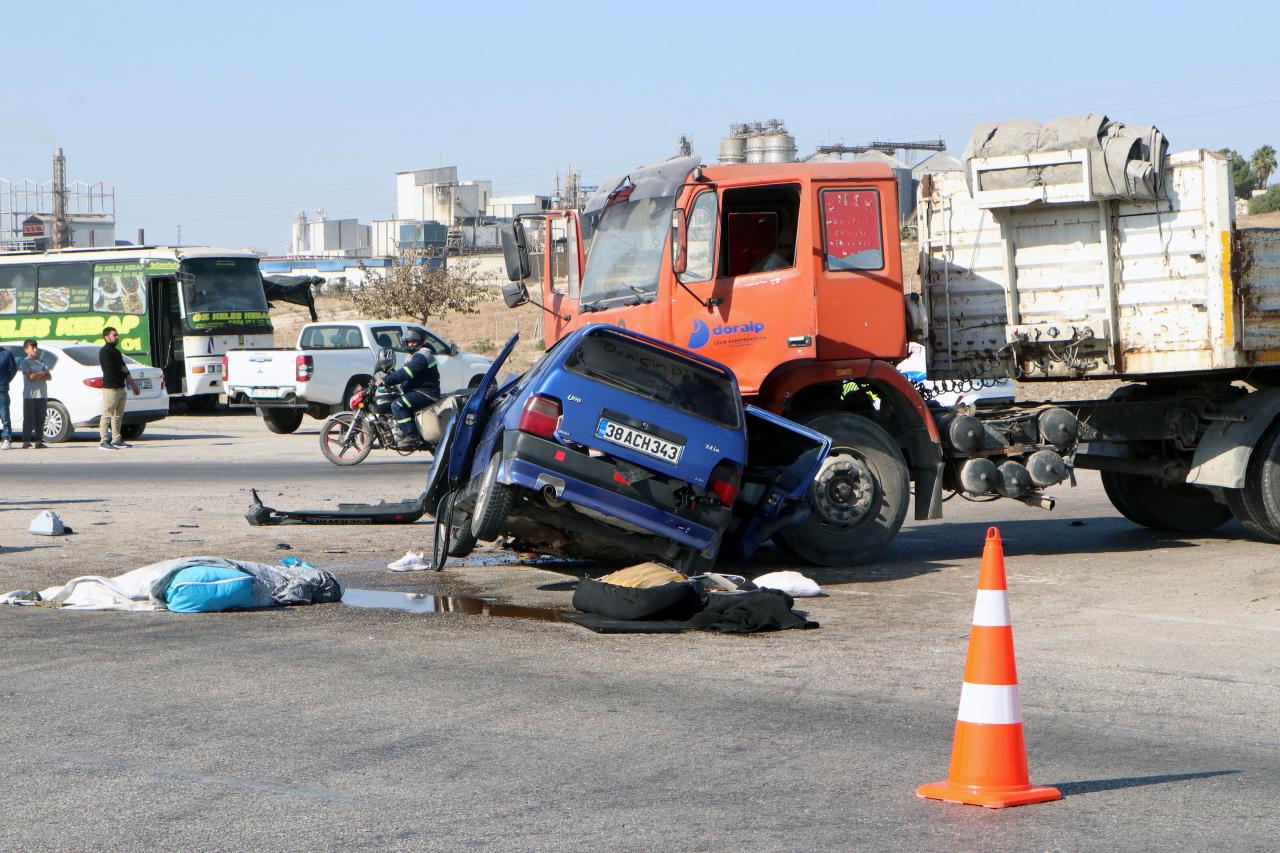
(515,251)
(515,294)
(679,242)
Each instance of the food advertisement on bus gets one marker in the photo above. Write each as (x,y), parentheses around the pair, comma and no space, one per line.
(76,303)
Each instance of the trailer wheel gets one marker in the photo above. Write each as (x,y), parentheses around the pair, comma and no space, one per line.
(1180,507)
(859,498)
(282,421)
(1257,505)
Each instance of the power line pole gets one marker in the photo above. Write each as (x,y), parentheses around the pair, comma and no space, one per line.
(179,234)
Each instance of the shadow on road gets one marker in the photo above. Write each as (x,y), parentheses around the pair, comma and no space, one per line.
(18,549)
(1093,786)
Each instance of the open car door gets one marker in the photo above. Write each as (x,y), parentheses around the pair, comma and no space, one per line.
(448,469)
(783,458)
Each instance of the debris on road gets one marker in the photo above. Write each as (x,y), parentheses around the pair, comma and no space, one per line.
(793,584)
(47,523)
(201,584)
(412,561)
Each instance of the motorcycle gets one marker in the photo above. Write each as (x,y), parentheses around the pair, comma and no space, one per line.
(347,438)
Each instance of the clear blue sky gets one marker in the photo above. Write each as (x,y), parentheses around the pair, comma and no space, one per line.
(228,117)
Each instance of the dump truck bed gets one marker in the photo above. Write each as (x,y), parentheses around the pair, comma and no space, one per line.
(1048,289)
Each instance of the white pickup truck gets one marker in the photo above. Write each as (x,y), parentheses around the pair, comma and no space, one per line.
(331,360)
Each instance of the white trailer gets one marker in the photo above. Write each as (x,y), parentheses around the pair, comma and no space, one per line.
(1053,280)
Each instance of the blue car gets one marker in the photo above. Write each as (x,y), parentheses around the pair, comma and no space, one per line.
(619,447)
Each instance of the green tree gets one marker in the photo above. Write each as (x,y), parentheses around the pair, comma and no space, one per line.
(1265,203)
(1242,177)
(1263,164)
(414,287)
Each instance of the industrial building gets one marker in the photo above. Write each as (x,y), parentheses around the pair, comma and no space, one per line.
(55,214)
(324,237)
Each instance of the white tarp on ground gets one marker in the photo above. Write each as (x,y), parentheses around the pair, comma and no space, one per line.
(1127,161)
(144,588)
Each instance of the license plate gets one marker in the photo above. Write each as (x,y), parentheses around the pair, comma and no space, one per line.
(650,445)
(265,392)
(145,383)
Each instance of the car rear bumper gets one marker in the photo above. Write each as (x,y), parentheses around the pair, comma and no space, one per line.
(534,463)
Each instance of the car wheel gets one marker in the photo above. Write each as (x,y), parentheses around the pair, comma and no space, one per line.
(57,423)
(859,498)
(461,540)
(492,503)
(282,421)
(131,431)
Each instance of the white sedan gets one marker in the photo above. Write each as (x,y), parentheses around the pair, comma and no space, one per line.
(75,391)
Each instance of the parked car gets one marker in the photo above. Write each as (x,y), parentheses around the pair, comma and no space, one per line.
(330,363)
(988,392)
(75,391)
(617,444)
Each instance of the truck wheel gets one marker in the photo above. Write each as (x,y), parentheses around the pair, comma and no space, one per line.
(859,498)
(1180,507)
(132,431)
(1257,505)
(282,421)
(492,503)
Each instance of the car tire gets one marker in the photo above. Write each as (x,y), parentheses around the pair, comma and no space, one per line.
(865,485)
(493,502)
(57,423)
(282,421)
(131,431)
(461,540)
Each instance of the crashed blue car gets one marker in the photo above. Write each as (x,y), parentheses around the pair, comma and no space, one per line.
(619,447)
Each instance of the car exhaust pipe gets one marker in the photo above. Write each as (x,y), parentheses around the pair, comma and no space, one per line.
(553,500)
(552,488)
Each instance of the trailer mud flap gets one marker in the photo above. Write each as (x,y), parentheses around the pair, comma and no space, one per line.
(403,512)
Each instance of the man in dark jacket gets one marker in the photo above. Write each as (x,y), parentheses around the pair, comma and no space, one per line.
(115,375)
(419,382)
(8,370)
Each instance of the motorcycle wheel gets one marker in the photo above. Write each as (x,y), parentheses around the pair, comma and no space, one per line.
(346,439)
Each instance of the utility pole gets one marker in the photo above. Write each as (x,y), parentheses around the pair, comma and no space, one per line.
(61,229)
(179,234)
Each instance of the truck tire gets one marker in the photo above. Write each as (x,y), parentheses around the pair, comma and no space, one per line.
(132,431)
(282,421)
(493,502)
(859,498)
(1179,507)
(1257,505)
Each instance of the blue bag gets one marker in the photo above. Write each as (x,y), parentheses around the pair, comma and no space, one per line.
(209,589)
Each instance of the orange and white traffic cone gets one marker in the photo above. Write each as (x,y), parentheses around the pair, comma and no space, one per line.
(989,756)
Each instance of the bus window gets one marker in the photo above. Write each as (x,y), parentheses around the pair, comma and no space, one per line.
(17,289)
(64,287)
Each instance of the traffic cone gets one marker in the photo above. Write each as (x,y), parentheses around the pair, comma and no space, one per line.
(989,756)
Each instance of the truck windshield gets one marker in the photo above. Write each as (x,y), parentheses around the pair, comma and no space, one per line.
(626,252)
(223,295)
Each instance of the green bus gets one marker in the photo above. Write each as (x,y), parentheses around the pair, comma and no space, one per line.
(178,309)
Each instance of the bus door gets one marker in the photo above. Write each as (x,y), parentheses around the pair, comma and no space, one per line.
(166,332)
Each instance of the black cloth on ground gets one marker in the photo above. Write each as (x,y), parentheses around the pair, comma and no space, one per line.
(727,612)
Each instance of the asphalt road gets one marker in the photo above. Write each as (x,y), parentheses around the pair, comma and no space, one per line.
(1147,664)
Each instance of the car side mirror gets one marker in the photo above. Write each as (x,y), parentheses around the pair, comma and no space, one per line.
(679,242)
(454,349)
(515,251)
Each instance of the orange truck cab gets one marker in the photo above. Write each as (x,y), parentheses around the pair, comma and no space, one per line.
(790,274)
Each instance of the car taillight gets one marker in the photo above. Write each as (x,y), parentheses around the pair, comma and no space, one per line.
(357,399)
(306,367)
(540,416)
(725,481)
(95,382)
(224,369)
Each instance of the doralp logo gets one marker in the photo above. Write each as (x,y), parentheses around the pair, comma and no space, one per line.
(728,334)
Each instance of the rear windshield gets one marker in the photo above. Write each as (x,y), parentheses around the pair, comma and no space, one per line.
(686,385)
(331,337)
(88,356)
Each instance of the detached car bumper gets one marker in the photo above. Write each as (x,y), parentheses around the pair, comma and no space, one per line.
(590,483)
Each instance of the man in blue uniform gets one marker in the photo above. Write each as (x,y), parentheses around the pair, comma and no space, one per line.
(419,382)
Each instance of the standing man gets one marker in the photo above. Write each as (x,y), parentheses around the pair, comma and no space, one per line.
(35,395)
(8,370)
(115,375)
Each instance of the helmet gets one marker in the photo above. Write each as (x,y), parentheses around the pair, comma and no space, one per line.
(413,335)
(386,360)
